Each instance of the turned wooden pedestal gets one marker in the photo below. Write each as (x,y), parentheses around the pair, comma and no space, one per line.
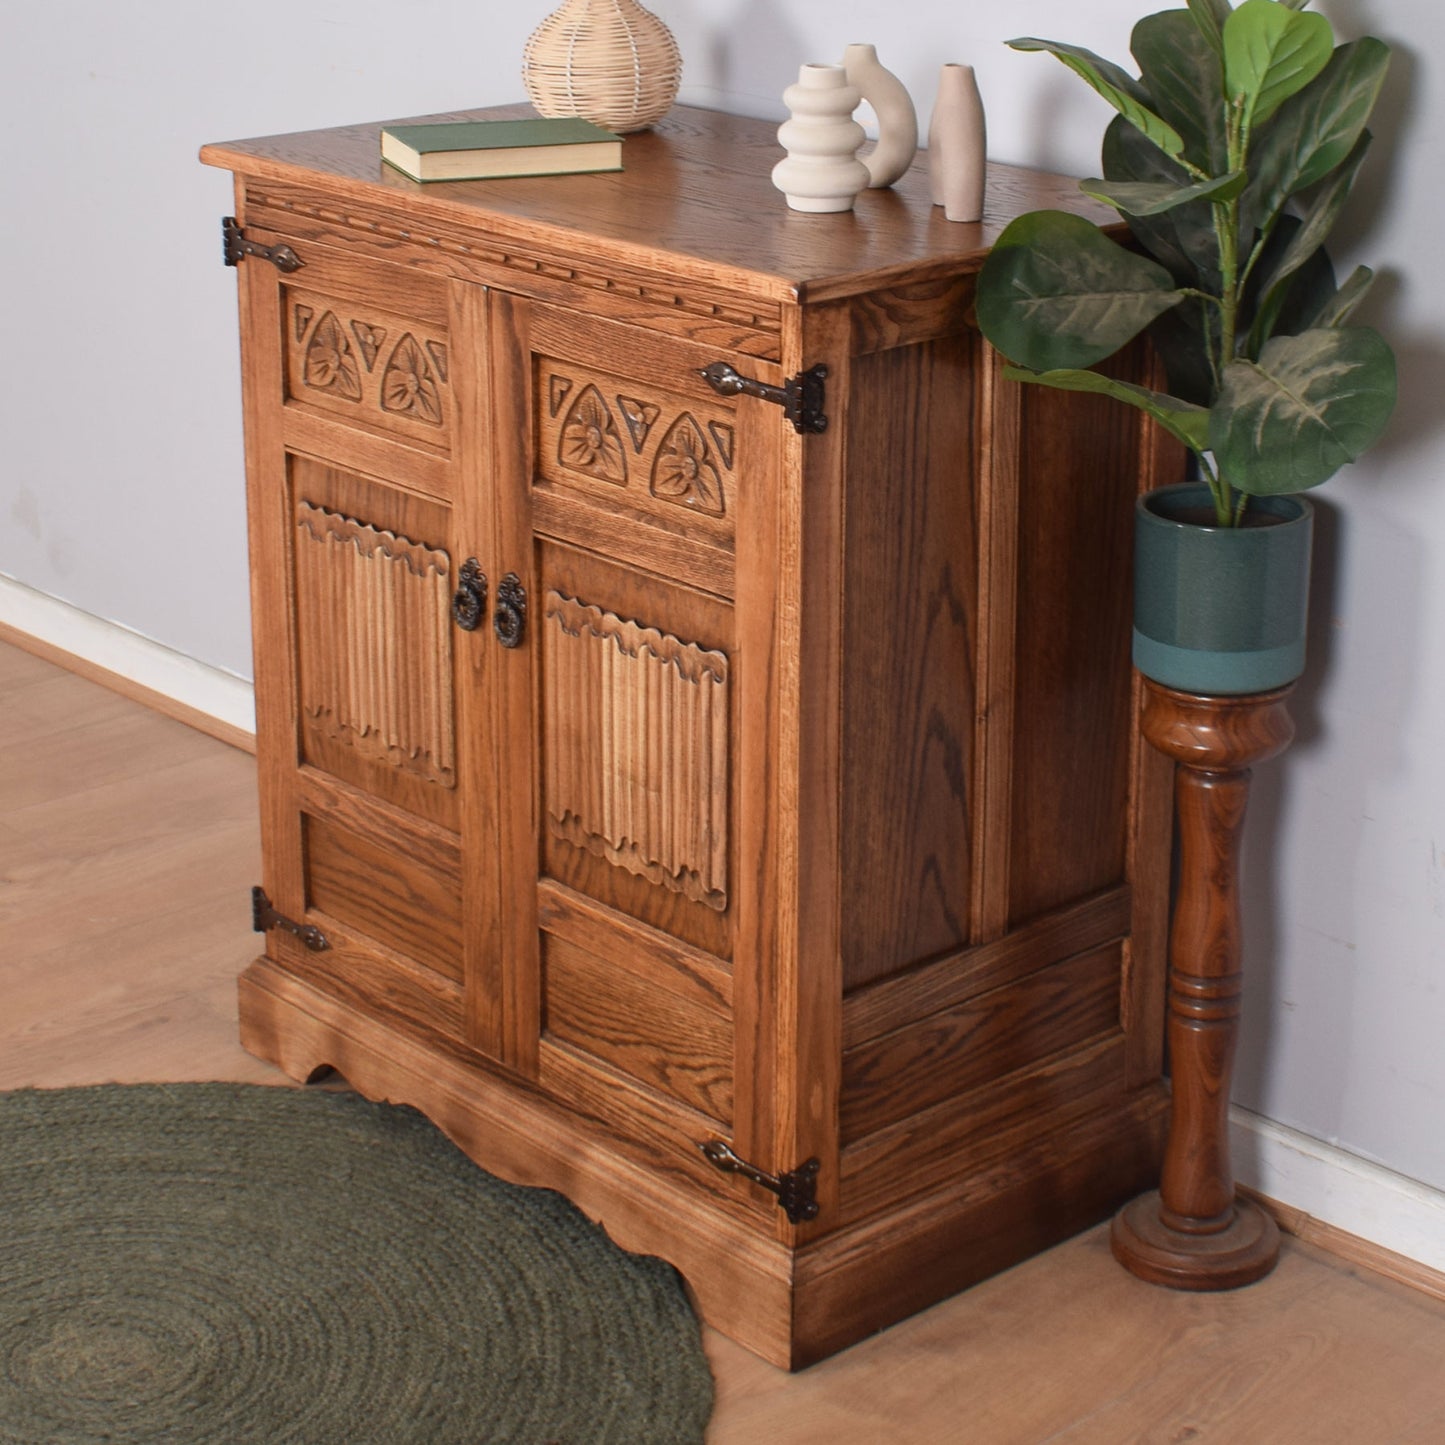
(1192,1232)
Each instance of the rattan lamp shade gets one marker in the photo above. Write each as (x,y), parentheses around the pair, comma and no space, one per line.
(610,61)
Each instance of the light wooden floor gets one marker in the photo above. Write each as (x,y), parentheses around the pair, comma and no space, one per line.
(127,849)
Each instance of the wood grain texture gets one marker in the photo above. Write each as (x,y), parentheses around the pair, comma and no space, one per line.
(1072,684)
(662,1038)
(909,643)
(909,1070)
(381,891)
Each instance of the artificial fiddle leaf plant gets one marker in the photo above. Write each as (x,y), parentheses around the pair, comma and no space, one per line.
(1231,157)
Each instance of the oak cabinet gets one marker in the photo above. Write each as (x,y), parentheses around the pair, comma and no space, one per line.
(695,726)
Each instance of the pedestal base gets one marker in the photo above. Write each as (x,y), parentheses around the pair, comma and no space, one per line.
(1239,1254)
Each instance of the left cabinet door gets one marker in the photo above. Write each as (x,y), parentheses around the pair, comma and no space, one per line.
(370,520)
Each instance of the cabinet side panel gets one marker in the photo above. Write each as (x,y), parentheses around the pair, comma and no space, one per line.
(1072,703)
(909,635)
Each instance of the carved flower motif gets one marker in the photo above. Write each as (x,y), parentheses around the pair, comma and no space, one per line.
(408,386)
(330,364)
(684,471)
(589,439)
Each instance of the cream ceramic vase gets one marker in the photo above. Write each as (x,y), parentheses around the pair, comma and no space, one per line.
(821,171)
(897,120)
(610,61)
(957,145)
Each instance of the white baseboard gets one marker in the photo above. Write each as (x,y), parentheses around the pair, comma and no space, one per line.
(1339,1188)
(151,665)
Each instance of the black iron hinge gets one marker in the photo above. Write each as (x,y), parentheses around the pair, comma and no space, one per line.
(264,916)
(797,1189)
(801,397)
(236,248)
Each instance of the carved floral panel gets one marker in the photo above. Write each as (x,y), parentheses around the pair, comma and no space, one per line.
(666,450)
(364,364)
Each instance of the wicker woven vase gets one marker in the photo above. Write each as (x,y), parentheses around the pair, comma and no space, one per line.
(610,61)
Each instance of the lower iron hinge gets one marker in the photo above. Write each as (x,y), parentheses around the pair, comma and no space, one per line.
(797,1189)
(264,916)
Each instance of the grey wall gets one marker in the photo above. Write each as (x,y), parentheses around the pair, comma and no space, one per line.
(121,477)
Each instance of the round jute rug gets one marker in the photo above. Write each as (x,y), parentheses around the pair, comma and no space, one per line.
(211,1263)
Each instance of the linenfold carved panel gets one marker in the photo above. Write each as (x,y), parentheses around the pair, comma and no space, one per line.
(373,624)
(636,748)
(664,449)
(360,363)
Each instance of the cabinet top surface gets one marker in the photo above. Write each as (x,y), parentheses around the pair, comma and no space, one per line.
(697,188)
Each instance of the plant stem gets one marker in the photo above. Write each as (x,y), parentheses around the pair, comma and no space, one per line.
(1220,491)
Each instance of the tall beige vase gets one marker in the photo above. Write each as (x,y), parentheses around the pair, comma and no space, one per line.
(957,145)
(610,61)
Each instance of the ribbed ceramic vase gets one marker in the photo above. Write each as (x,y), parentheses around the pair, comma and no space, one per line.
(610,61)
(897,120)
(957,145)
(822,171)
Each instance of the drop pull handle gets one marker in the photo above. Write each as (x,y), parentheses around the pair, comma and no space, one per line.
(469,601)
(509,621)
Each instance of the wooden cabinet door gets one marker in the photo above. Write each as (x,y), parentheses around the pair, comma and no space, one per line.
(366,395)
(622,853)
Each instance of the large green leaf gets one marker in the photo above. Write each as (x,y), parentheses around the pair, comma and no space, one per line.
(1311,403)
(1183,239)
(1270,53)
(1116,85)
(1209,17)
(1056,292)
(1190,424)
(1315,226)
(1280,304)
(1316,130)
(1185,81)
(1335,309)
(1151,198)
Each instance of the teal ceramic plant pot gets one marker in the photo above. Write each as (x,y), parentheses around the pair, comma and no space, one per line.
(1220,610)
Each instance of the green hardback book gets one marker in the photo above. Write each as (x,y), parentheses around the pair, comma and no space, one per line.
(469,150)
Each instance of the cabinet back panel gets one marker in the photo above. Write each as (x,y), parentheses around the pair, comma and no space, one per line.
(910,622)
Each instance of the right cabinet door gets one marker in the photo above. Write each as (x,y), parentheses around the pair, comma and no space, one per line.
(623,857)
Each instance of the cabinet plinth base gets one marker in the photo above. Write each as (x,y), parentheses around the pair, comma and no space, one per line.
(1243,1251)
(793,1304)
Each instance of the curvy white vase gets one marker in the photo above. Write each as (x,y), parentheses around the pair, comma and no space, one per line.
(897,120)
(821,171)
(957,145)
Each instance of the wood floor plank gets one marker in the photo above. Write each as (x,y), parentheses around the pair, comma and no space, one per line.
(128,844)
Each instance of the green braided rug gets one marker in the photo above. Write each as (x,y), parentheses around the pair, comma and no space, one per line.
(213,1263)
